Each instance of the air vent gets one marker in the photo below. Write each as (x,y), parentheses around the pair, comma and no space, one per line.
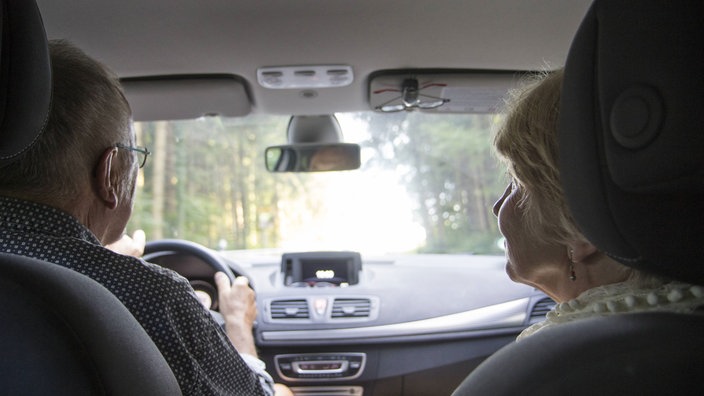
(540,309)
(351,308)
(289,309)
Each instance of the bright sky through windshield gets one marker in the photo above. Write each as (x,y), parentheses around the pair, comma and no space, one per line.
(374,217)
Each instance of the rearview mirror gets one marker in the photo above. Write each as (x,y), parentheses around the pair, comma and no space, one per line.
(312,157)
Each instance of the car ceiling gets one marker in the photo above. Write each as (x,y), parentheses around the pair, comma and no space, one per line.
(138,38)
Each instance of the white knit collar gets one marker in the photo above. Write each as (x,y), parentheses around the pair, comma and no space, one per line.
(624,297)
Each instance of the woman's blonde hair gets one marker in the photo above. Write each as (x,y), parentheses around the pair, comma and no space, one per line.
(527,144)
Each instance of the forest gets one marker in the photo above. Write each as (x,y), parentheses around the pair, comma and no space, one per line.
(206,182)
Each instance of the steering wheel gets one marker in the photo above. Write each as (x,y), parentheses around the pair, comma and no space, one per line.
(186,258)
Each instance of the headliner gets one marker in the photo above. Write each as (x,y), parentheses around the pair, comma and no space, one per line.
(165,37)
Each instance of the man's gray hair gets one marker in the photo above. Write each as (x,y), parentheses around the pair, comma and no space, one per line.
(89,114)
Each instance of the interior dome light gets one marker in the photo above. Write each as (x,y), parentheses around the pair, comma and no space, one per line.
(296,77)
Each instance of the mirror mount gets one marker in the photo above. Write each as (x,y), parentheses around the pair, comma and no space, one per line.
(314,129)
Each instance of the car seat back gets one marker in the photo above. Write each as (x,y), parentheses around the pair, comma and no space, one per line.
(630,354)
(61,333)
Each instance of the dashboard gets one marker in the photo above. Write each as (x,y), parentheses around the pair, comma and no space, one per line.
(340,323)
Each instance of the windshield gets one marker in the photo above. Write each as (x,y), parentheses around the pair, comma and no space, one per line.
(426,185)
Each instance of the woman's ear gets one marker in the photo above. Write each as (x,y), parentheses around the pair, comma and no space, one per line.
(581,250)
(104,185)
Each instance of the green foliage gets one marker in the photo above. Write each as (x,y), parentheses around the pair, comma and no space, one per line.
(450,169)
(204,181)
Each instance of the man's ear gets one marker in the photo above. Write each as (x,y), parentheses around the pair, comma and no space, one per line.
(581,250)
(104,185)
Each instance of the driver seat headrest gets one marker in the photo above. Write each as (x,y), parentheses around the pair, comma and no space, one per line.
(631,134)
(25,78)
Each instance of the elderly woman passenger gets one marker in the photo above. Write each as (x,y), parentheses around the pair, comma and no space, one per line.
(544,247)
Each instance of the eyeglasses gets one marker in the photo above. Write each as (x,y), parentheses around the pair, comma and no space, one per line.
(142,153)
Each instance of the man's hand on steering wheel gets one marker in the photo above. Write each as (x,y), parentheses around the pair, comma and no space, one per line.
(238,307)
(236,299)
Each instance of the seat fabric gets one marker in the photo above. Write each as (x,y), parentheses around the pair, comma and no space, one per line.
(61,333)
(629,354)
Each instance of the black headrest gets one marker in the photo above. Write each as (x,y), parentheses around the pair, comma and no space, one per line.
(632,134)
(25,78)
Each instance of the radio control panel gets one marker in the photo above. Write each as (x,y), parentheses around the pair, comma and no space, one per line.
(320,366)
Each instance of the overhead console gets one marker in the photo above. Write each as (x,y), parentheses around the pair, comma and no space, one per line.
(321,269)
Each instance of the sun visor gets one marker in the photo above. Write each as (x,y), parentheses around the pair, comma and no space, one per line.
(440,92)
(186,97)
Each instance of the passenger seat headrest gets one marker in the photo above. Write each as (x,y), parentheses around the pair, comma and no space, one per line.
(25,78)
(631,134)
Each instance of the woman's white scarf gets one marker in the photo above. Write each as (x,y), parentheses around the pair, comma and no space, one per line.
(624,297)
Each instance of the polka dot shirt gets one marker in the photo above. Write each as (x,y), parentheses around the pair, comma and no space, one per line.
(195,347)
